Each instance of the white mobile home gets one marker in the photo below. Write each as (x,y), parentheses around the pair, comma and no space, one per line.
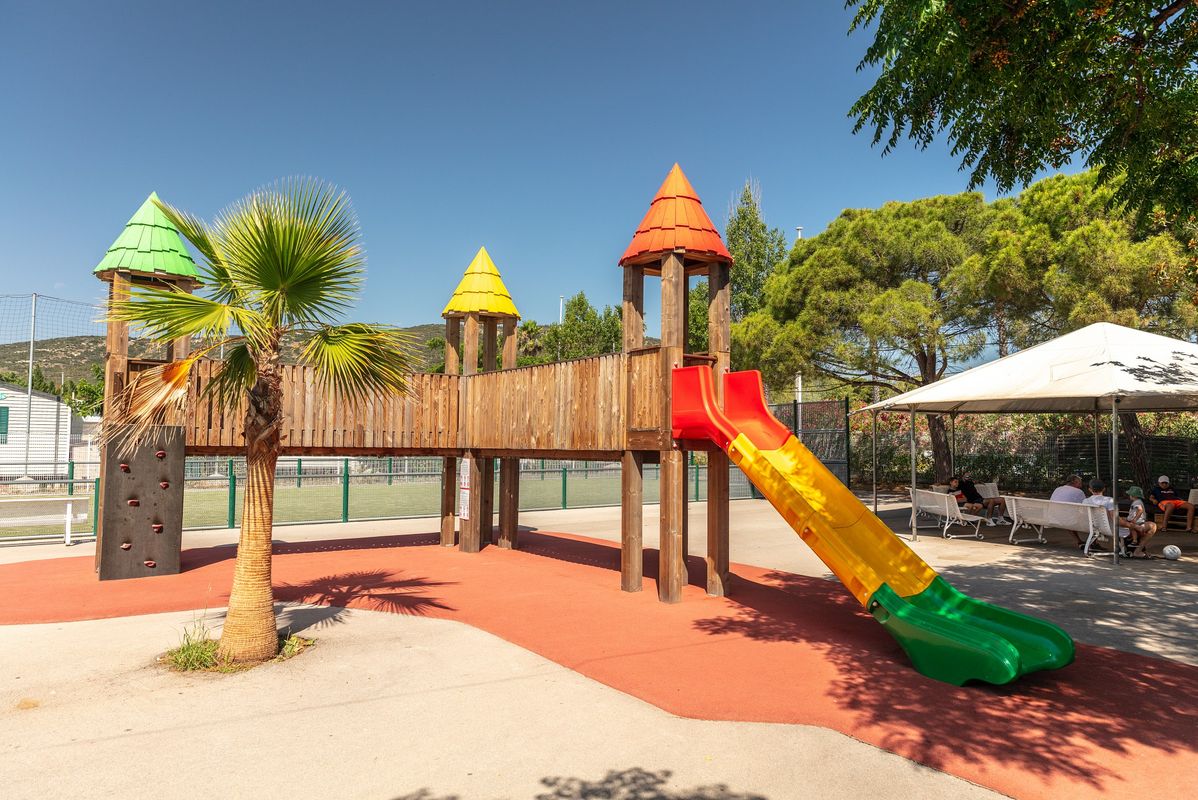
(48,432)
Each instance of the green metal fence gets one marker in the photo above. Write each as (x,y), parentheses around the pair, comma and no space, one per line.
(346,490)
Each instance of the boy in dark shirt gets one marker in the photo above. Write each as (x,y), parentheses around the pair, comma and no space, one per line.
(1166,499)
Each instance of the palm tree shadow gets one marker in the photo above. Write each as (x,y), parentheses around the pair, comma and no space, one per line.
(626,784)
(373,590)
(1044,723)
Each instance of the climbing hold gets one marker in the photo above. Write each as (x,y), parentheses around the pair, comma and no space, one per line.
(150,564)
(124,467)
(161,454)
(164,484)
(126,545)
(134,502)
(157,526)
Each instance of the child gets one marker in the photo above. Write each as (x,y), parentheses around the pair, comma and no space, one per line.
(954,488)
(1097,498)
(1142,529)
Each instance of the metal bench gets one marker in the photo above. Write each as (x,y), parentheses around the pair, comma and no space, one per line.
(1036,514)
(947,513)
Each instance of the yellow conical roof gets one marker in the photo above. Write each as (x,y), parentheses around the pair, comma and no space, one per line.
(481,291)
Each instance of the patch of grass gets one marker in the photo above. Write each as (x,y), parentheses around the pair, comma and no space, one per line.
(199,652)
(292,645)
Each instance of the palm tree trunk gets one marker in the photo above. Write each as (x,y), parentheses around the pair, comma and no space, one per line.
(249,633)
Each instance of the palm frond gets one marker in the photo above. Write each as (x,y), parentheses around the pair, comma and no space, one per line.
(236,376)
(153,397)
(295,246)
(203,238)
(358,360)
(167,314)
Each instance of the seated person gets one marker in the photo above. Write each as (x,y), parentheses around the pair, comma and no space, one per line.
(1097,498)
(1142,529)
(967,505)
(1070,492)
(1166,499)
(968,488)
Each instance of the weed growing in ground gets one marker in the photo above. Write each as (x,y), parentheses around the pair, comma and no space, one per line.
(198,651)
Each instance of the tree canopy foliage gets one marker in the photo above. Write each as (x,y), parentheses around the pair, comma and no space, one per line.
(1023,86)
(899,296)
(756,249)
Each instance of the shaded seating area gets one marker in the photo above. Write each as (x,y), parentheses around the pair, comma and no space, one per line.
(1102,369)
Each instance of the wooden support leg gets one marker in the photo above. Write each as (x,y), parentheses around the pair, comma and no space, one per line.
(632,496)
(449,500)
(509,502)
(470,537)
(487,522)
(717,524)
(686,515)
(671,569)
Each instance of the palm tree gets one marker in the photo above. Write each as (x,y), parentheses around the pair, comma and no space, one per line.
(284,260)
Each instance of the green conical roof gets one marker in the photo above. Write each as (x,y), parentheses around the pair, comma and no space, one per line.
(149,244)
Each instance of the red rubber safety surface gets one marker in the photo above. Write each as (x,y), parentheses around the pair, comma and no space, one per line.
(784,648)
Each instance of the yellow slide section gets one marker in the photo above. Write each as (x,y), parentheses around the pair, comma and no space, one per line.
(857,546)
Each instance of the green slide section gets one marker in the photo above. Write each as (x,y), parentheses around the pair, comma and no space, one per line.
(954,638)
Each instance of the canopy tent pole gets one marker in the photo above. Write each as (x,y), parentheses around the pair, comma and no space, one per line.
(952,450)
(874,458)
(914,532)
(1115,475)
(1097,465)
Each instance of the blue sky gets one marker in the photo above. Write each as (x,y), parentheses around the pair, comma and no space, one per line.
(541,130)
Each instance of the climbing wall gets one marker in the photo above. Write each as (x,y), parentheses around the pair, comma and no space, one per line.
(141,508)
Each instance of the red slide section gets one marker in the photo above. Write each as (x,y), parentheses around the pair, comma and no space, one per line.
(697,415)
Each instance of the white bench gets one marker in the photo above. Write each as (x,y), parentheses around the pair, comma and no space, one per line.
(946,511)
(987,490)
(1029,512)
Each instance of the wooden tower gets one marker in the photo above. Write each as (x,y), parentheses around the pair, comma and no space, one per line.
(144,536)
(676,241)
(478,307)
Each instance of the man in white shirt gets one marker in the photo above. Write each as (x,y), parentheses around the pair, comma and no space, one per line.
(1070,492)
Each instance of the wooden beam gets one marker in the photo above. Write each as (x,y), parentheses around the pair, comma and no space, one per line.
(673,301)
(470,345)
(449,500)
(632,520)
(487,500)
(719,322)
(116,372)
(470,536)
(717,524)
(490,343)
(453,339)
(671,570)
(509,502)
(510,343)
(634,308)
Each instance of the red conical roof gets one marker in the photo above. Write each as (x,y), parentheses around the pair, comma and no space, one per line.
(675,220)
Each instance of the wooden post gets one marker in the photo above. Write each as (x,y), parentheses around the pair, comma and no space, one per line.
(490,343)
(509,468)
(470,537)
(470,540)
(719,321)
(116,372)
(672,562)
(632,495)
(449,466)
(490,349)
(632,464)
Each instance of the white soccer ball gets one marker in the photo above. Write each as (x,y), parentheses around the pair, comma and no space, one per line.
(1172,552)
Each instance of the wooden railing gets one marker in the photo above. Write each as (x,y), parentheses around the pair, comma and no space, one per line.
(586,405)
(569,405)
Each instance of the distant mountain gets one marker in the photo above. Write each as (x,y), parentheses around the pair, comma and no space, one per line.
(71,357)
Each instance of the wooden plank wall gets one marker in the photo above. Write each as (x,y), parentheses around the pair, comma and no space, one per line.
(570,405)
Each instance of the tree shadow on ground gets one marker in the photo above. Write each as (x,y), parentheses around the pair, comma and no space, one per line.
(373,590)
(628,784)
(1045,724)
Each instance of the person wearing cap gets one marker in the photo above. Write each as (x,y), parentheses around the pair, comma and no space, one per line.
(1142,529)
(1166,499)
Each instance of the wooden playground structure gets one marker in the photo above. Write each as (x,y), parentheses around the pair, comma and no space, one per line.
(482,410)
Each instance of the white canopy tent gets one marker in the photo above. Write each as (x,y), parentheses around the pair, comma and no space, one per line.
(1102,368)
